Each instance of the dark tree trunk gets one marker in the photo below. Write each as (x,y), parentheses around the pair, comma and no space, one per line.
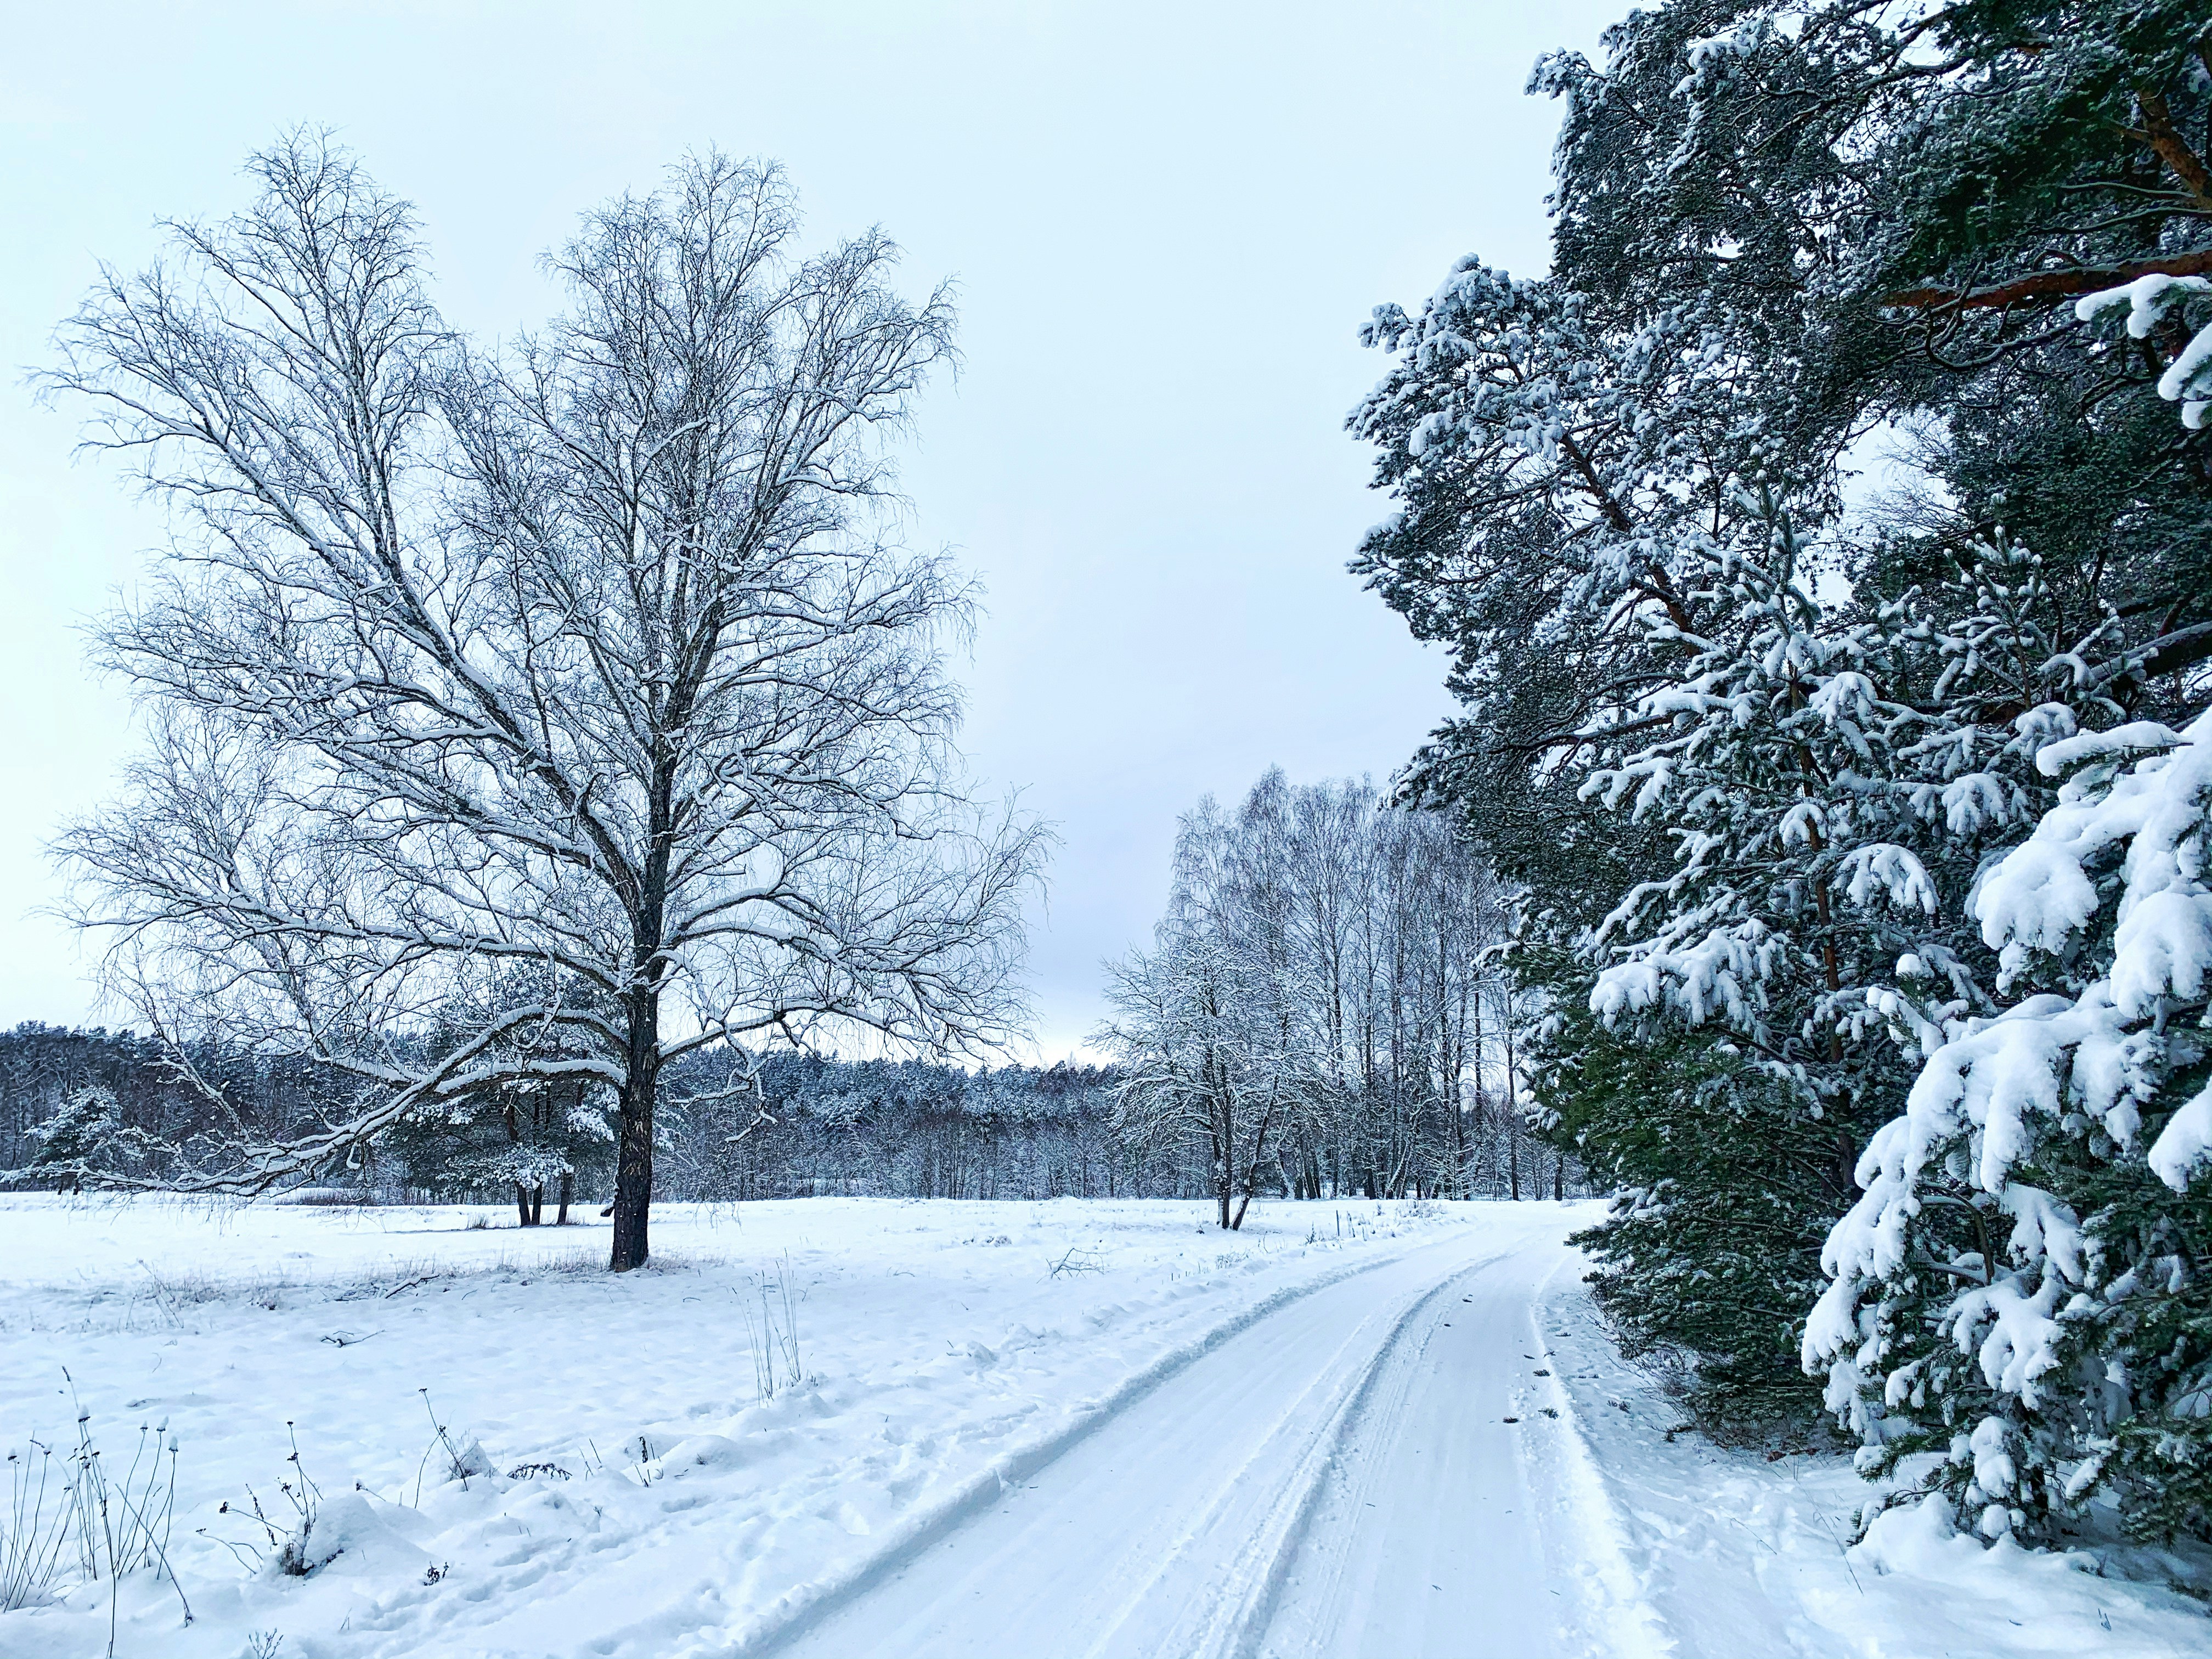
(1559,1177)
(634,1141)
(568,1192)
(508,1115)
(1252,1170)
(642,1081)
(633,1180)
(1222,1134)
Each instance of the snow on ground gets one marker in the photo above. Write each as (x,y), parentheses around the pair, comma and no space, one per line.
(933,1340)
(1242,1427)
(1737,1553)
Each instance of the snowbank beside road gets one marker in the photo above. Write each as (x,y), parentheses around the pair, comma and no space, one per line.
(1742,1555)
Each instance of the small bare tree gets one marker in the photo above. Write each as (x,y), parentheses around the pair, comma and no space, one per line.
(591,654)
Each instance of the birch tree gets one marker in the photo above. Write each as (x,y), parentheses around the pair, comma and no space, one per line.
(1312,1012)
(1212,1026)
(592,654)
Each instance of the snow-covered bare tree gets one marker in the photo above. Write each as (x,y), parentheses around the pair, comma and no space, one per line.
(1317,1002)
(1210,1026)
(594,654)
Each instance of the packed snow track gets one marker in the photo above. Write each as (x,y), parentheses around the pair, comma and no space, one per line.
(1383,1466)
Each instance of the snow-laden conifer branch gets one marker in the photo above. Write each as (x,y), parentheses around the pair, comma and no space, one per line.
(2109,897)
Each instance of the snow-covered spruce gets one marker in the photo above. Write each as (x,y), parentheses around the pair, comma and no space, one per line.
(1824,780)
(2022,1287)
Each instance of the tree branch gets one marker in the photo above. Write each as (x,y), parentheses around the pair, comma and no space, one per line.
(2049,287)
(2159,134)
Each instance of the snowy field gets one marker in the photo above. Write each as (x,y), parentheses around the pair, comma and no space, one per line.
(856,1427)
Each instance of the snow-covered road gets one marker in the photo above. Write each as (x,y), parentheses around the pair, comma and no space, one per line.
(983,1429)
(1378,1468)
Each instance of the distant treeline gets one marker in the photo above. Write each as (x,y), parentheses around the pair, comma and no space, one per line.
(807,1126)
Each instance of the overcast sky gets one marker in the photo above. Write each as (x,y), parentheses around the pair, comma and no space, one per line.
(1167,224)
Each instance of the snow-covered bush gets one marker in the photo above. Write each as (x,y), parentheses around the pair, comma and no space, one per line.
(80,1137)
(2022,1287)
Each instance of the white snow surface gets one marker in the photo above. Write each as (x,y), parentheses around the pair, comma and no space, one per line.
(1291,1441)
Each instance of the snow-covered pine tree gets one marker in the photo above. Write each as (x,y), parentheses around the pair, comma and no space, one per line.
(82,1139)
(1988,221)
(1863,215)
(1825,778)
(1546,460)
(1709,1252)
(1937,215)
(2024,1288)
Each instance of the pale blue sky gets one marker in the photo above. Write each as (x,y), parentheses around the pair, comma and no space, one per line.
(1167,220)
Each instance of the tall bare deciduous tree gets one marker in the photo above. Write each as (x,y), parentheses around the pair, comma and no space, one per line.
(591,654)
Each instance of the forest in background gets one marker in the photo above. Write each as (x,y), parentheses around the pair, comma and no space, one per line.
(903,1128)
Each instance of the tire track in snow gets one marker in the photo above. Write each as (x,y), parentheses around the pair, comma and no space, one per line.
(1232,1625)
(791,1618)
(1241,1635)
(1212,1520)
(1452,1519)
